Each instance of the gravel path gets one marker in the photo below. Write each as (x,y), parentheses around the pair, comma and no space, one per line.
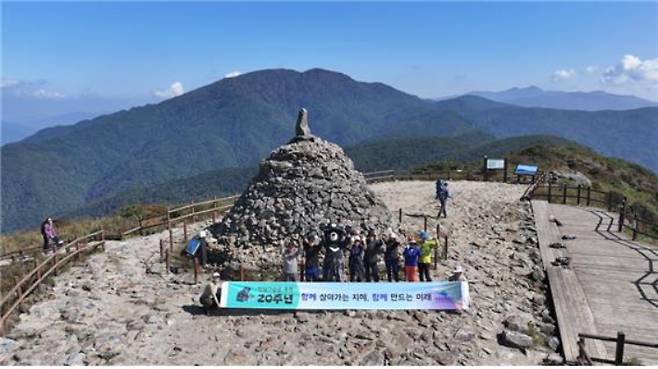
(119,308)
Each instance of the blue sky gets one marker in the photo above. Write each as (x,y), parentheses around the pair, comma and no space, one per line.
(139,51)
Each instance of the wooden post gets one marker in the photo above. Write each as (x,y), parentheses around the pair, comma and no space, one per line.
(635,229)
(161,251)
(77,250)
(505,170)
(436,250)
(167,261)
(241,272)
(171,235)
(141,230)
(578,196)
(564,193)
(484,169)
(550,191)
(589,195)
(425,223)
(185,230)
(214,217)
(622,214)
(197,268)
(400,216)
(445,247)
(609,201)
(619,351)
(583,358)
(55,263)
(20,289)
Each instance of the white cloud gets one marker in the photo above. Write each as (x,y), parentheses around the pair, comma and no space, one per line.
(235,73)
(632,69)
(8,82)
(563,75)
(176,89)
(43,93)
(37,89)
(591,69)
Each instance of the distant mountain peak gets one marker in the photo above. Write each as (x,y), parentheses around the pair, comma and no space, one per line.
(533,96)
(531,88)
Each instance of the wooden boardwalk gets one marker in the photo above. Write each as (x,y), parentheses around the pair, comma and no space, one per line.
(610,285)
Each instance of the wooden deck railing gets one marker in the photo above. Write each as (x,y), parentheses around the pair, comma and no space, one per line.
(21,254)
(51,265)
(212,207)
(620,341)
(448,174)
(586,196)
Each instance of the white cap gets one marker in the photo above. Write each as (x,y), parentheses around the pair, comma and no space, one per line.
(458,269)
(215,275)
(202,233)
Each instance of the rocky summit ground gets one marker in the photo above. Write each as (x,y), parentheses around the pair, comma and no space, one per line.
(119,308)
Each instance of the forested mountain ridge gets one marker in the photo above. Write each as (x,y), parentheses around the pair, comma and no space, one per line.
(533,96)
(395,153)
(628,134)
(231,123)
(235,122)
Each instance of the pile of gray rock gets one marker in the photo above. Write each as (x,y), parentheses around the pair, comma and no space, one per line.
(300,186)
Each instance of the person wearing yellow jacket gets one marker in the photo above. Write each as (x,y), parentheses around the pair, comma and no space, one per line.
(427,246)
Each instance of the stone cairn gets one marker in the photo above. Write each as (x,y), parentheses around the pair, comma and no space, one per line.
(302,185)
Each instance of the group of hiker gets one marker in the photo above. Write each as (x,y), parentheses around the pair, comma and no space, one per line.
(364,250)
(364,253)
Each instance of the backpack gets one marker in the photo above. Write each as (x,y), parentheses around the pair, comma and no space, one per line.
(441,190)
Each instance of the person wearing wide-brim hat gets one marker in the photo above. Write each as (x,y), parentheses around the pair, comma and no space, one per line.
(212,293)
(457,274)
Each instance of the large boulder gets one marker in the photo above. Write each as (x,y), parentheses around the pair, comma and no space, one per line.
(515,340)
(300,186)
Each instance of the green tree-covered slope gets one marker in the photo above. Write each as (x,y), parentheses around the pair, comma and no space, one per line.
(235,122)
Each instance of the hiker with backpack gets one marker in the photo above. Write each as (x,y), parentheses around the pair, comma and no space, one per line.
(442,195)
(49,234)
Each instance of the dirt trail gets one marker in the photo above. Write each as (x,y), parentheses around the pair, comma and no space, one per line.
(118,308)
